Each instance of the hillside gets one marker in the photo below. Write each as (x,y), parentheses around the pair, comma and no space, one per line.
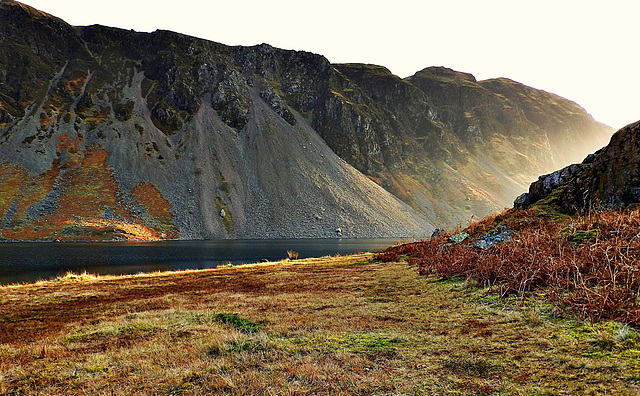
(573,238)
(107,133)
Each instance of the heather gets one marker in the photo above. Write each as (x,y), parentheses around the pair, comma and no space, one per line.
(587,265)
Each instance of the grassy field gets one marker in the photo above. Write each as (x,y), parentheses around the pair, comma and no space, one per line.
(344,325)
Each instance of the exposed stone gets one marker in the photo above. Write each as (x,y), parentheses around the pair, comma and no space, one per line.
(458,238)
(607,179)
(522,201)
(591,157)
(612,180)
(273,99)
(547,183)
(493,237)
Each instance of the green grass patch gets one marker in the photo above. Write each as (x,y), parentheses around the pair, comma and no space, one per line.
(240,345)
(368,343)
(227,220)
(584,236)
(238,323)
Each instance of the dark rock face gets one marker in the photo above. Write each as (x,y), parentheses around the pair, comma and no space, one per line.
(283,143)
(607,179)
(490,239)
(522,201)
(547,183)
(613,178)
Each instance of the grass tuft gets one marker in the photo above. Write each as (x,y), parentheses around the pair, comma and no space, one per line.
(532,317)
(238,323)
(73,277)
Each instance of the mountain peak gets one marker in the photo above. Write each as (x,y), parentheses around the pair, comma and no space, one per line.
(445,74)
(15,7)
(365,68)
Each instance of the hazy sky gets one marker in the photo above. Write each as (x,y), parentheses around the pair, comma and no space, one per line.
(586,51)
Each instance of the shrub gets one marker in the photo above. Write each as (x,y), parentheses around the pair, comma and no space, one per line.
(590,264)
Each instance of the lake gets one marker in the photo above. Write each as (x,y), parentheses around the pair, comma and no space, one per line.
(31,261)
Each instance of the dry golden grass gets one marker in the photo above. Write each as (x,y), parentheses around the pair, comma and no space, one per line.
(345,325)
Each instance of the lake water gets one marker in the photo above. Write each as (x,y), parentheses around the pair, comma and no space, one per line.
(28,262)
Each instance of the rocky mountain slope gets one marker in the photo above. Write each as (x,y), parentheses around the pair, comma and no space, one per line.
(112,133)
(450,146)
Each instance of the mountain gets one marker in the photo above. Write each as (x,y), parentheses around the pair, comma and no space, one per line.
(453,147)
(107,133)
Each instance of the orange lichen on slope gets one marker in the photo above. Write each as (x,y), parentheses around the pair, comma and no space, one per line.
(90,188)
(87,207)
(148,195)
(152,200)
(87,202)
(19,190)
(388,181)
(99,228)
(76,82)
(71,147)
(34,190)
(11,178)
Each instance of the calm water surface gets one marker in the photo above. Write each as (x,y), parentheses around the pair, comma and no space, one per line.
(27,262)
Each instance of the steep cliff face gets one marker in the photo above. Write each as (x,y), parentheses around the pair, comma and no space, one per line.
(109,133)
(113,133)
(513,123)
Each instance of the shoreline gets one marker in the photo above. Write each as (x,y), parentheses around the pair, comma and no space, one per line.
(91,277)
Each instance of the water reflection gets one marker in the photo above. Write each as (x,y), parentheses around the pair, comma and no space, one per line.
(27,262)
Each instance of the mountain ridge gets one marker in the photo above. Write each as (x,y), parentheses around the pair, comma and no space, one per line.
(233,141)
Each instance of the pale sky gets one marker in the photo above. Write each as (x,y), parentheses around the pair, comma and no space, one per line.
(586,51)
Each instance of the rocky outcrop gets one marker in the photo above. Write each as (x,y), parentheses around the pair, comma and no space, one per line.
(613,178)
(107,131)
(607,179)
(546,184)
